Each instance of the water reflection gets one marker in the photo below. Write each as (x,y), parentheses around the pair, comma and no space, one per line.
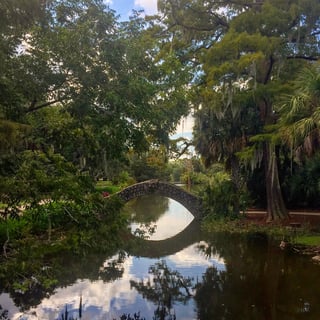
(164,288)
(166,217)
(189,275)
(103,299)
(147,209)
(257,284)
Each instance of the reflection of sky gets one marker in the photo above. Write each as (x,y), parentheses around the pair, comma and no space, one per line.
(102,300)
(109,300)
(175,219)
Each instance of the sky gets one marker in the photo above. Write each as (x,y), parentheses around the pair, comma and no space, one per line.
(124,7)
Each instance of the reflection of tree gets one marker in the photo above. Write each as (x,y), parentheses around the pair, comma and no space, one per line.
(260,282)
(4,314)
(150,208)
(114,268)
(66,316)
(69,315)
(65,269)
(164,289)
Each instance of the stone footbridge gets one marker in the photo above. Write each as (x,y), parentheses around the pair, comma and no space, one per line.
(188,200)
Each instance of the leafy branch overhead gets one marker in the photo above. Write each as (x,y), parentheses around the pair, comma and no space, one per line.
(245,55)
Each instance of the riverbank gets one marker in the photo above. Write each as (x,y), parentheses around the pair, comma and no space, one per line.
(300,233)
(305,226)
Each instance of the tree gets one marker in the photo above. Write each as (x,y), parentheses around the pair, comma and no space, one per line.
(109,90)
(222,128)
(259,45)
(78,90)
(298,129)
(300,113)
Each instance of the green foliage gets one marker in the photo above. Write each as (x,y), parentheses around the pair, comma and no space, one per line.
(176,169)
(84,84)
(78,228)
(195,178)
(40,177)
(302,183)
(185,170)
(124,179)
(16,228)
(218,195)
(299,113)
(244,57)
(232,225)
(107,186)
(150,166)
(308,240)
(61,217)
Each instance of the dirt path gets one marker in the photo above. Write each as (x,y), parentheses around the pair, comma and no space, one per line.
(295,212)
(298,217)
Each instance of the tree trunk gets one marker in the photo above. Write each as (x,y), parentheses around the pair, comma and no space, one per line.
(236,183)
(276,209)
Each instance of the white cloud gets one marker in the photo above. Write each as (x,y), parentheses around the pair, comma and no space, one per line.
(98,297)
(191,257)
(150,6)
(108,300)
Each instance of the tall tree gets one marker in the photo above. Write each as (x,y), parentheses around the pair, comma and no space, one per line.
(223,128)
(103,78)
(259,44)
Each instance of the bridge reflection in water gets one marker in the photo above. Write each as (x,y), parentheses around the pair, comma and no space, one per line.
(161,248)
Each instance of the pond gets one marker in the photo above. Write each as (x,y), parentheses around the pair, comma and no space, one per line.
(181,273)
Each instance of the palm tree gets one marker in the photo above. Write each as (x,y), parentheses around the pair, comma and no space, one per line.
(300,114)
(222,128)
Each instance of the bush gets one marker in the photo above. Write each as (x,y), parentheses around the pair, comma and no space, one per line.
(219,195)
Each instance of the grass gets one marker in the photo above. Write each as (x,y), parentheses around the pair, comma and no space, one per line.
(301,236)
(107,186)
(308,240)
(241,227)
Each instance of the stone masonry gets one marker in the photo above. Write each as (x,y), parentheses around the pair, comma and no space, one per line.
(188,200)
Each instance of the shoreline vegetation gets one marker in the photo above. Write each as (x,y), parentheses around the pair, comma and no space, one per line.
(71,232)
(299,234)
(71,229)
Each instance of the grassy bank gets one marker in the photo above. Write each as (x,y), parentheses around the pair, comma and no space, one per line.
(107,186)
(303,235)
(308,239)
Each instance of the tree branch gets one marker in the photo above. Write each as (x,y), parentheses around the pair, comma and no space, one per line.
(33,108)
(219,21)
(309,58)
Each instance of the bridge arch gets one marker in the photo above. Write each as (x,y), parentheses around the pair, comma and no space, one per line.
(188,200)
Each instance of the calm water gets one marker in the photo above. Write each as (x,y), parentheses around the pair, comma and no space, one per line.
(180,273)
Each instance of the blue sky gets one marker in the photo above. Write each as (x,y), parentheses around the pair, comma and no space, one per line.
(124,7)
